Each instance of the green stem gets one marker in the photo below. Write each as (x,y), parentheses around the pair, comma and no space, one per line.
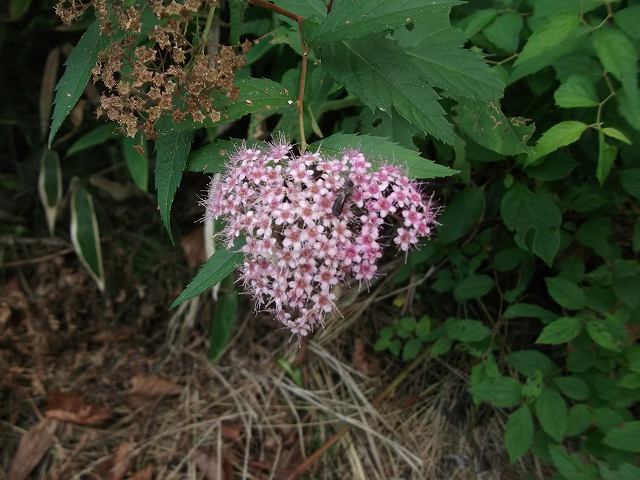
(207,26)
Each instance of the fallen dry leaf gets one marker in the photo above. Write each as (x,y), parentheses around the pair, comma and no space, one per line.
(363,361)
(232,431)
(33,446)
(121,461)
(145,474)
(72,407)
(153,386)
(210,466)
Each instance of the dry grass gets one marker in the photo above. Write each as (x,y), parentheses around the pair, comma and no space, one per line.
(242,417)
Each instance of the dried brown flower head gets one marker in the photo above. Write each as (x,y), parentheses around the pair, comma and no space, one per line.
(168,72)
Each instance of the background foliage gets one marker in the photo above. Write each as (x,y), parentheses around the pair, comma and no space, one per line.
(534,105)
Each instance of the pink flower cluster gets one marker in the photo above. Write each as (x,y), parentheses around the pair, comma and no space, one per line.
(312,222)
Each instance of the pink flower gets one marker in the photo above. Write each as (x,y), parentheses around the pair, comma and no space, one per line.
(298,248)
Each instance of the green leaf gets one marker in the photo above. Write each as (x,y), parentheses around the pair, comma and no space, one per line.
(562,330)
(137,162)
(572,387)
(628,20)
(528,362)
(217,268)
(566,293)
(222,324)
(551,411)
(381,150)
(236,14)
(478,20)
(457,70)
(504,31)
(411,349)
(518,434)
(95,137)
(636,237)
(466,331)
(606,158)
(560,135)
(620,58)
(379,72)
(461,215)
(501,392)
(630,179)
(171,158)
(473,286)
(50,186)
(552,39)
(213,157)
(423,328)
(85,234)
(577,91)
(525,212)
(350,19)
(529,310)
(625,471)
(304,8)
(626,437)
(569,466)
(487,125)
(617,134)
(76,75)
(255,95)
(578,420)
(600,334)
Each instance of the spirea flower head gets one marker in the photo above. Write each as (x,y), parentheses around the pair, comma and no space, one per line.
(312,222)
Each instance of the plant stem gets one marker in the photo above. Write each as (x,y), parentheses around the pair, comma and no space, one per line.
(303,67)
(207,26)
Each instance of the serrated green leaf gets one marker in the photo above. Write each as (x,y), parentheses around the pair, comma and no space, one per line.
(559,331)
(50,186)
(501,392)
(626,437)
(551,40)
(569,466)
(525,211)
(213,157)
(236,16)
(461,215)
(76,75)
(527,362)
(137,162)
(423,328)
(381,74)
(619,57)
(624,471)
(350,19)
(95,137)
(551,411)
(478,20)
(467,331)
(219,266)
(172,151)
(566,293)
(504,31)
(255,95)
(578,420)
(459,71)
(518,434)
(379,150)
(487,125)
(529,310)
(572,387)
(85,234)
(473,286)
(577,91)
(560,135)
(600,333)
(222,322)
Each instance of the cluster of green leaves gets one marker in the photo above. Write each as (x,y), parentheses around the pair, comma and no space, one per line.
(536,104)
